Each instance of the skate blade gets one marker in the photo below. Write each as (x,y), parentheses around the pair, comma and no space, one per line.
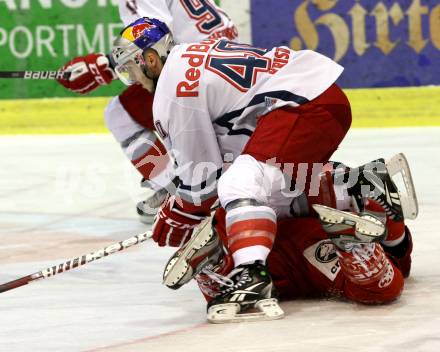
(268,309)
(177,267)
(364,225)
(400,173)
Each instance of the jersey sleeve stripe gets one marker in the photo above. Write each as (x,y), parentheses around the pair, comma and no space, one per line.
(194,197)
(206,183)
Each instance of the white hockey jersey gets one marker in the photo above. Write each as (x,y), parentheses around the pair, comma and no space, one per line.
(210,94)
(188,20)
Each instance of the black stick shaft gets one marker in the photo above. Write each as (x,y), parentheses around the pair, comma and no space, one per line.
(76,262)
(35,74)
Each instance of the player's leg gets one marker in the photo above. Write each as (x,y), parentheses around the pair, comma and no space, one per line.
(247,193)
(301,140)
(250,233)
(230,291)
(129,118)
(348,188)
(284,139)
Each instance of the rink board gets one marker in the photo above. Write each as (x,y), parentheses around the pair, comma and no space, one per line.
(381,107)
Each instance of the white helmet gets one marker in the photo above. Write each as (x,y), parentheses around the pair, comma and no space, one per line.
(143,34)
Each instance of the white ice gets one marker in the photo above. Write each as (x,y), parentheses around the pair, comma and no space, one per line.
(64,196)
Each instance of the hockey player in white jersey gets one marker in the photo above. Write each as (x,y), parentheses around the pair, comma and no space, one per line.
(128,116)
(263,111)
(245,125)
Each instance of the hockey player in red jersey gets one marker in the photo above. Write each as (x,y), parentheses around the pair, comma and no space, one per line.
(129,115)
(360,256)
(255,128)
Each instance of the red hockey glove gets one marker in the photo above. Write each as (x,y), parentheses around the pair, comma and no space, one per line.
(87,73)
(173,226)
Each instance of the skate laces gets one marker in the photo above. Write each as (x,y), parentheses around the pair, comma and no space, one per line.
(226,280)
(218,278)
(392,214)
(385,200)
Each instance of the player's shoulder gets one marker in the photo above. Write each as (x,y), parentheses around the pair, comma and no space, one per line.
(181,77)
(167,101)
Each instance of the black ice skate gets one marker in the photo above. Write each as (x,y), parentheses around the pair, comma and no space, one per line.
(147,208)
(376,180)
(246,295)
(202,250)
(146,213)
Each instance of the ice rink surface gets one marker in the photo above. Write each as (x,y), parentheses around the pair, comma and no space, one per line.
(64,196)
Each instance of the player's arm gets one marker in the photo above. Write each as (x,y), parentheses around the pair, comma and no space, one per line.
(199,165)
(131,10)
(199,162)
(95,69)
(87,73)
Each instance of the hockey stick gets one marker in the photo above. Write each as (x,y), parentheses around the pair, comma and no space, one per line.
(35,74)
(76,262)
